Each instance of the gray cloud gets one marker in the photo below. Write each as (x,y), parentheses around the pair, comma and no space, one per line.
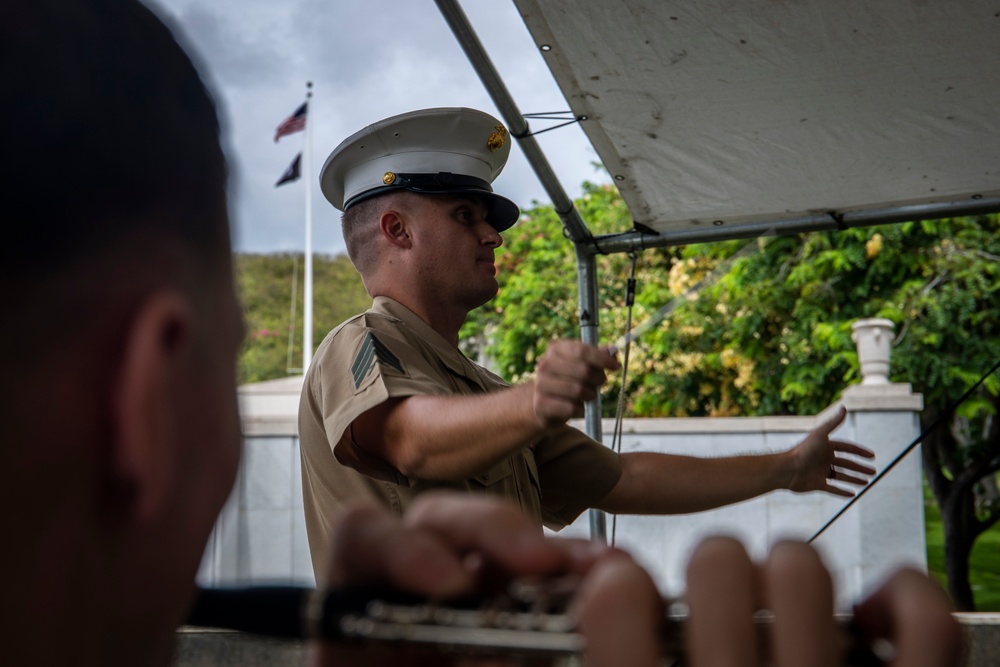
(367,60)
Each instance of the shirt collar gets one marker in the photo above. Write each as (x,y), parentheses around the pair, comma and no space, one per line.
(448,353)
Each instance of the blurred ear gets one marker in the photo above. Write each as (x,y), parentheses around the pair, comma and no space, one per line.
(393,227)
(145,461)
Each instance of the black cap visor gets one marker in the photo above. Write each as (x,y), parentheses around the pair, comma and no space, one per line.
(501,212)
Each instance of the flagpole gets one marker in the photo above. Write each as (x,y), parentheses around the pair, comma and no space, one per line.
(307,311)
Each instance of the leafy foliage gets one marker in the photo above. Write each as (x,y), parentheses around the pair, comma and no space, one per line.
(772,335)
(771,332)
(265,284)
(768,332)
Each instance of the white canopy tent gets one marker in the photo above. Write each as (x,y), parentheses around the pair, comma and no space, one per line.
(721,119)
(717,113)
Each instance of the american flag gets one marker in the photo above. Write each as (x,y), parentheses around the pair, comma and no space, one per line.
(294,123)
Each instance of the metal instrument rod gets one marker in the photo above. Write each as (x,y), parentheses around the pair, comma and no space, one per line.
(497,627)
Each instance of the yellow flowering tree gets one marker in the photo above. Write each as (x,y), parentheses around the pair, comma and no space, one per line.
(772,334)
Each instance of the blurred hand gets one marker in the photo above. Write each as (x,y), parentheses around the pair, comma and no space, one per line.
(725,589)
(820,461)
(451,545)
(569,374)
(454,545)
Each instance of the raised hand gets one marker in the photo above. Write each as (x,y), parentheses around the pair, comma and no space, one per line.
(819,461)
(569,374)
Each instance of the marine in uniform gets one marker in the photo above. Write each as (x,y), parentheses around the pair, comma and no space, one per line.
(390,352)
(391,407)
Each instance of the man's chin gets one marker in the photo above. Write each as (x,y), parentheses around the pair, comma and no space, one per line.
(485,297)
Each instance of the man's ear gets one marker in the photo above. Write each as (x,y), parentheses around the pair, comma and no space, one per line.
(393,227)
(144,458)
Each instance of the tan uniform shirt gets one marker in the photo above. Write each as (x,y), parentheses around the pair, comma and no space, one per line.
(390,352)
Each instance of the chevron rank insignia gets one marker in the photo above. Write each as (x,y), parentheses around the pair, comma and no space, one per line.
(372,352)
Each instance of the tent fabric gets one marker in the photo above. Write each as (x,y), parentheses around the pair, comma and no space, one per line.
(714,112)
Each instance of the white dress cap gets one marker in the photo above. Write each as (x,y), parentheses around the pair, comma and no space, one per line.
(431,151)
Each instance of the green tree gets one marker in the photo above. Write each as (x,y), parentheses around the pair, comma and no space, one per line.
(265,284)
(537,301)
(772,335)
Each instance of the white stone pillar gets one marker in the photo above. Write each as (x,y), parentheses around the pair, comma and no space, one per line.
(885,528)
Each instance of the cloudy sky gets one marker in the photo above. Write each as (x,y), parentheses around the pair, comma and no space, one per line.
(367,60)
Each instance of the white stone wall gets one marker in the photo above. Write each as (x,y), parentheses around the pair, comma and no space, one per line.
(260,536)
(882,531)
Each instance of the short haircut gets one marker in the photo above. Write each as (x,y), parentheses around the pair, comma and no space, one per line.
(111,148)
(360,227)
(107,123)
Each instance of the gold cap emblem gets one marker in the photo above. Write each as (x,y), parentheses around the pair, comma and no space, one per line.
(497,138)
(389,178)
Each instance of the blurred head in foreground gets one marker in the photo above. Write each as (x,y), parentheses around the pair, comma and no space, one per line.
(119,424)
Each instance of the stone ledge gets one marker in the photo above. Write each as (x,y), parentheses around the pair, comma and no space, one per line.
(881,398)
(204,647)
(271,407)
(982,631)
(270,425)
(201,647)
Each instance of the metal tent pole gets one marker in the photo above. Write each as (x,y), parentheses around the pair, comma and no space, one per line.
(575,227)
(634,240)
(516,124)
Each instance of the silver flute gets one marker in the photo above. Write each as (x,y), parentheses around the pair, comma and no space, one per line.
(528,621)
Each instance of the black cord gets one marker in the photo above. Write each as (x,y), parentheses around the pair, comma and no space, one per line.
(551,115)
(934,424)
(616,437)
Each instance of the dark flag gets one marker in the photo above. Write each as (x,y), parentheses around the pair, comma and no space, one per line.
(292,173)
(294,123)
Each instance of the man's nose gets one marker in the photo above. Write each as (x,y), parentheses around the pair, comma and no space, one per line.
(491,237)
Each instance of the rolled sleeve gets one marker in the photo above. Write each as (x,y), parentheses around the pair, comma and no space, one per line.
(575,473)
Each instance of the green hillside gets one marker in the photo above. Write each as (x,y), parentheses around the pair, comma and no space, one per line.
(265,283)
